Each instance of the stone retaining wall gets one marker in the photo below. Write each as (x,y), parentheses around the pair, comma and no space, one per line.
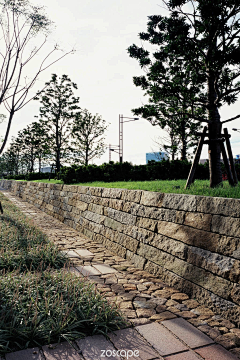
(191,242)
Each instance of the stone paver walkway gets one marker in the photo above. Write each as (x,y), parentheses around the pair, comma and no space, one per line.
(166,323)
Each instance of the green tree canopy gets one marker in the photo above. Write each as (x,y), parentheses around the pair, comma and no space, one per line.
(59,109)
(203,37)
(88,137)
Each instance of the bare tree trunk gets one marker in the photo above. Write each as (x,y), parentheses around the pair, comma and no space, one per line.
(214,150)
(7,131)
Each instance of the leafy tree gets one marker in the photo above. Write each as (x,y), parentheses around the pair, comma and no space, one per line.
(204,36)
(88,137)
(171,94)
(10,161)
(24,30)
(59,109)
(34,144)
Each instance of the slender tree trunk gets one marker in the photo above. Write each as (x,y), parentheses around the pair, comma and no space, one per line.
(86,157)
(7,131)
(183,141)
(58,146)
(39,164)
(214,129)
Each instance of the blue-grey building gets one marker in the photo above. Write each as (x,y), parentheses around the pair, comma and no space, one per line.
(157,156)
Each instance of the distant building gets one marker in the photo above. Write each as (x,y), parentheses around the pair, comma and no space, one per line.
(45,169)
(156,156)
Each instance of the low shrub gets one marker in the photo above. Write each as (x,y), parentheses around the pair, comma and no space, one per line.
(110,172)
(48,307)
(22,245)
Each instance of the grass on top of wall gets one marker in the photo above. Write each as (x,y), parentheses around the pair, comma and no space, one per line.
(200,187)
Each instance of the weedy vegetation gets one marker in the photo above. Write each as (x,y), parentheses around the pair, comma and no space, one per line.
(41,302)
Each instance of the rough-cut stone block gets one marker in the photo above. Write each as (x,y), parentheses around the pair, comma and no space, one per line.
(137,260)
(91,216)
(70,188)
(147,224)
(199,238)
(116,204)
(81,205)
(218,206)
(127,242)
(112,193)
(132,195)
(149,198)
(166,244)
(86,198)
(198,220)
(120,216)
(113,224)
(198,276)
(140,234)
(95,191)
(180,202)
(235,293)
(218,264)
(98,209)
(83,189)
(226,225)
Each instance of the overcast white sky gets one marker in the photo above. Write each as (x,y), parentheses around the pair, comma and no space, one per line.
(101,31)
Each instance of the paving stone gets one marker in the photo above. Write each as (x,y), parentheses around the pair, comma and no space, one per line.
(74,271)
(161,339)
(187,314)
(145,313)
(228,340)
(179,297)
(70,254)
(166,315)
(215,352)
(84,252)
(126,305)
(129,339)
(140,321)
(91,347)
(187,332)
(28,354)
(88,270)
(62,351)
(104,269)
(186,355)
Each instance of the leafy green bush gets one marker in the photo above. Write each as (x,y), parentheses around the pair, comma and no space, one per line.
(30,176)
(109,172)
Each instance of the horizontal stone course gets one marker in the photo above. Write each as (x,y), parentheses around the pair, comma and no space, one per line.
(191,242)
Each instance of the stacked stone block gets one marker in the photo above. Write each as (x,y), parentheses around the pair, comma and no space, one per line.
(191,242)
